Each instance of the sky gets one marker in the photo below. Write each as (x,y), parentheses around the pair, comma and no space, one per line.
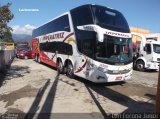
(139,13)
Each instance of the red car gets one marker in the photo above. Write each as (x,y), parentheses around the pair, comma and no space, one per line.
(25,54)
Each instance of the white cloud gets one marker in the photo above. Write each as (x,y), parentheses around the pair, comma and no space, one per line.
(26,29)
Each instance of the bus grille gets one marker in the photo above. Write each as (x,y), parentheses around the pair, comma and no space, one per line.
(118,71)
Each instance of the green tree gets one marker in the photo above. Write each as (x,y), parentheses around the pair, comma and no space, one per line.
(5,16)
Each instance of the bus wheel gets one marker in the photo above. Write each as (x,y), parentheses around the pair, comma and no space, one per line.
(38,59)
(59,67)
(35,57)
(140,65)
(70,71)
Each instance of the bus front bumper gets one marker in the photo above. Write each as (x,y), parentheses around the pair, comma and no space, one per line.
(101,77)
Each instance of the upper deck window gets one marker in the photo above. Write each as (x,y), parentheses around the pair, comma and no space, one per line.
(110,19)
(81,16)
(59,24)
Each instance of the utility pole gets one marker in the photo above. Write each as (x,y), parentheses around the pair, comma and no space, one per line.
(158,95)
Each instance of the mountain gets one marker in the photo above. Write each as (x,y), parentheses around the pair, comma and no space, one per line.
(22,38)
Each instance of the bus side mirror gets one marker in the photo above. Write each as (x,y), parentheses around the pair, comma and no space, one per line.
(145,48)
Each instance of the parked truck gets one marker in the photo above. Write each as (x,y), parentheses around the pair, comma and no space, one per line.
(146,53)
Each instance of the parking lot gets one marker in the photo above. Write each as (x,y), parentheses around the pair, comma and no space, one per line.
(36,90)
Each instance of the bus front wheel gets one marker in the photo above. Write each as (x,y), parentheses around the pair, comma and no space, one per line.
(59,67)
(70,71)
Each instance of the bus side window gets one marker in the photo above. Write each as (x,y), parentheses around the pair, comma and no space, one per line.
(61,47)
(59,24)
(42,46)
(81,17)
(68,49)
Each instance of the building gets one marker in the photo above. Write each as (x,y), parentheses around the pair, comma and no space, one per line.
(146,33)
(138,30)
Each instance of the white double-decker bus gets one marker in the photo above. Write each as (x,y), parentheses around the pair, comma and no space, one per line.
(91,41)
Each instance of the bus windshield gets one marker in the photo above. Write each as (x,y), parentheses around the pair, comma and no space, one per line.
(110,19)
(114,50)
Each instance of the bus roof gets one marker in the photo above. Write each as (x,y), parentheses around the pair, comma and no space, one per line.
(91,5)
(69,11)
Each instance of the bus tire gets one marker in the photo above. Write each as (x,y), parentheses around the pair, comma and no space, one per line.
(35,57)
(140,65)
(38,59)
(70,70)
(59,66)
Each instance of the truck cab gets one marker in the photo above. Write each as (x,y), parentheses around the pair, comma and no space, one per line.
(146,54)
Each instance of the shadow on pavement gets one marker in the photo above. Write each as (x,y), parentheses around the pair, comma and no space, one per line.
(151,96)
(45,112)
(103,112)
(14,72)
(133,106)
(35,106)
(2,78)
(148,70)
